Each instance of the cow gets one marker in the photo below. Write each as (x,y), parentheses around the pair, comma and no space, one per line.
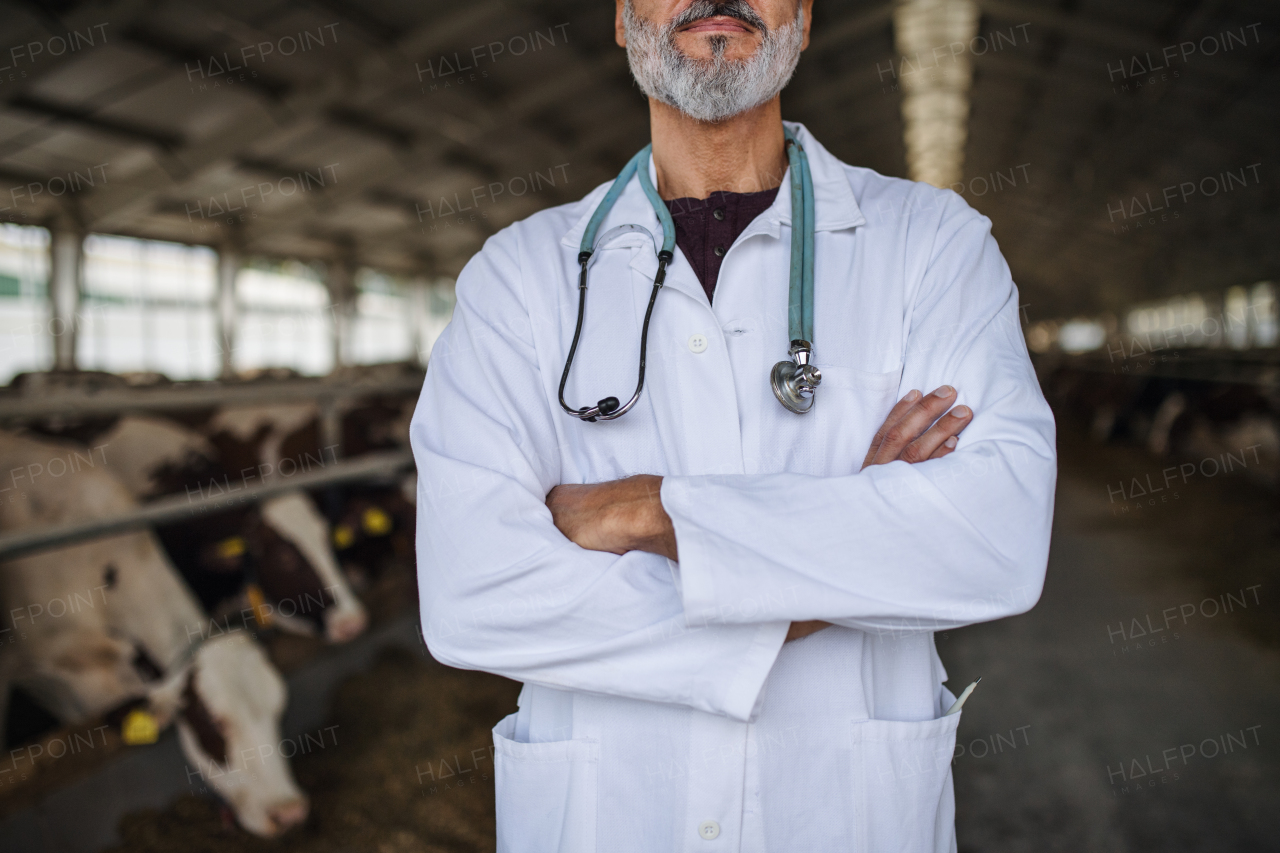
(376,526)
(1235,423)
(282,544)
(1228,422)
(371,524)
(107,623)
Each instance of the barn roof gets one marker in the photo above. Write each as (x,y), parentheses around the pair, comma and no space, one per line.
(400,134)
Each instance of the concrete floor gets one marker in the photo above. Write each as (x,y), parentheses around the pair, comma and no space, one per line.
(1076,702)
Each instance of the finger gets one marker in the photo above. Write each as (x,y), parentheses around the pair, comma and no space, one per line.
(799,630)
(948,426)
(895,414)
(945,448)
(914,423)
(899,409)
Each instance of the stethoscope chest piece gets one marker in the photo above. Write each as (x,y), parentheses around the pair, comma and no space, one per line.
(794,382)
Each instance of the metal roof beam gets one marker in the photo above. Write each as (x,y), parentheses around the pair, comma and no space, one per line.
(164,140)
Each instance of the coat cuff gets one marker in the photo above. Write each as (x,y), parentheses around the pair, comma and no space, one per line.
(697,566)
(693,576)
(746,692)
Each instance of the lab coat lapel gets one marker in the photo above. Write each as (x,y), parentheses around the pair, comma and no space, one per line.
(833,200)
(834,204)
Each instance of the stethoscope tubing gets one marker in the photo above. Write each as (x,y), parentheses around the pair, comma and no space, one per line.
(800,293)
(800,287)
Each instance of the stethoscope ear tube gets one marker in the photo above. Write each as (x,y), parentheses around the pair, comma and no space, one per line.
(584,413)
(607,409)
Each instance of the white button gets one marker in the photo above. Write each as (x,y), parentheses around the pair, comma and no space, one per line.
(709,830)
(698,343)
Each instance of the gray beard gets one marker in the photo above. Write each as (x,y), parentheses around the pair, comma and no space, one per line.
(714,89)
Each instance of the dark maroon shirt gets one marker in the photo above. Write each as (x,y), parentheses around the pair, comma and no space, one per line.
(706,228)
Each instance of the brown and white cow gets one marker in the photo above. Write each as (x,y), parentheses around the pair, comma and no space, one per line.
(126,628)
(283,543)
(372,523)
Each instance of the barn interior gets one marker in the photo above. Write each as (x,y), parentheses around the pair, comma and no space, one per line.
(230,232)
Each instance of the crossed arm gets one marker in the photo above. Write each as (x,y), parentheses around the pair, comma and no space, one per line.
(566,586)
(627,515)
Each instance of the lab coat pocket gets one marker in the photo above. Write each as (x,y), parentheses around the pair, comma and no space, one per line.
(903,799)
(851,405)
(842,376)
(546,793)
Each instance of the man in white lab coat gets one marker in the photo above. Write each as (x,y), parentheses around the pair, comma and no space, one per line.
(723,612)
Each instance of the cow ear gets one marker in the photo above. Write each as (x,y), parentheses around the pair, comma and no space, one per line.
(195,713)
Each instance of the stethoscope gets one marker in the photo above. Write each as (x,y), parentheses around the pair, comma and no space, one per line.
(794,382)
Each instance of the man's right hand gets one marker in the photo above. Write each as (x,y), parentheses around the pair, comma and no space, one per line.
(915,430)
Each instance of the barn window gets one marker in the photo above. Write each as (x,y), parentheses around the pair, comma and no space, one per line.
(1262,315)
(1235,321)
(382,329)
(147,306)
(1081,336)
(24,308)
(285,318)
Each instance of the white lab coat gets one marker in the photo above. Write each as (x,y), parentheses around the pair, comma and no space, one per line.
(661,709)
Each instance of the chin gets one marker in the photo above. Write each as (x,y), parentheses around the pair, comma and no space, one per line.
(738,46)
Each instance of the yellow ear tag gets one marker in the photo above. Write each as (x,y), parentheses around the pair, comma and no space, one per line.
(375,522)
(232,546)
(258,602)
(139,727)
(343,537)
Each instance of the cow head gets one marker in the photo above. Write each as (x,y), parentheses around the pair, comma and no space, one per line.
(376,525)
(298,572)
(227,704)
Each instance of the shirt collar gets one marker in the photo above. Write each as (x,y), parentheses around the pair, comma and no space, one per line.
(833,200)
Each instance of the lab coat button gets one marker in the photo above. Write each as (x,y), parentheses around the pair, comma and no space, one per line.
(709,830)
(697,343)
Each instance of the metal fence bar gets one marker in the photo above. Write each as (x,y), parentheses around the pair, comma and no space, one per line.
(368,466)
(194,396)
(1183,364)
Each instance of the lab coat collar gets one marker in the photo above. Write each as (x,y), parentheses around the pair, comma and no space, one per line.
(834,203)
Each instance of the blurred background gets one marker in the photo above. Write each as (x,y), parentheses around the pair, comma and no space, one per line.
(229,233)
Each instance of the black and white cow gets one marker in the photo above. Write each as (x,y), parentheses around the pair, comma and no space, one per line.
(282,545)
(372,523)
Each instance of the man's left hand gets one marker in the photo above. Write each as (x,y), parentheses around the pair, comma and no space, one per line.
(618,516)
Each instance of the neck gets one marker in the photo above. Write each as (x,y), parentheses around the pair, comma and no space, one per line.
(742,154)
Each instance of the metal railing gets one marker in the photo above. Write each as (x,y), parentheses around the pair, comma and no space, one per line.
(367,467)
(196,395)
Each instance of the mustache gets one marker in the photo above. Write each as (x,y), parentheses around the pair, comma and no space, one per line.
(702,9)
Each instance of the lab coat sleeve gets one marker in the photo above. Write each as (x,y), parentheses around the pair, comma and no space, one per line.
(898,547)
(501,589)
